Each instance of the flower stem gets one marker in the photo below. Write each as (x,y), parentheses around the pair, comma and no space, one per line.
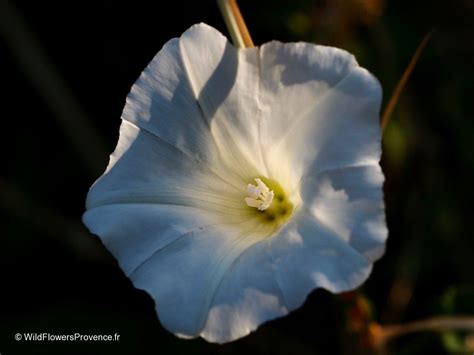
(235,23)
(403,81)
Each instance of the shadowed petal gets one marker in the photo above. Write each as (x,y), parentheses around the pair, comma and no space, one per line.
(225,82)
(248,296)
(276,275)
(183,278)
(294,77)
(349,202)
(198,94)
(135,232)
(307,255)
(162,102)
(336,110)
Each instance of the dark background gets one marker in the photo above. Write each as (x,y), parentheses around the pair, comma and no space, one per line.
(65,70)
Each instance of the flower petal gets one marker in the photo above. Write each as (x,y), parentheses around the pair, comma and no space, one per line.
(198,94)
(307,255)
(349,202)
(144,169)
(162,102)
(295,76)
(177,254)
(135,232)
(183,277)
(248,296)
(276,275)
(225,81)
(335,103)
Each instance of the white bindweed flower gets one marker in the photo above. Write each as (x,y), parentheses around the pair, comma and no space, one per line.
(242,180)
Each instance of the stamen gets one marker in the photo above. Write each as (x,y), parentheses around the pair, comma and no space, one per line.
(260,196)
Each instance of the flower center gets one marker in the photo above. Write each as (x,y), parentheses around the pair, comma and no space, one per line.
(269,201)
(260,195)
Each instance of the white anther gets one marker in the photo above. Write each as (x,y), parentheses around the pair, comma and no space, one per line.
(260,196)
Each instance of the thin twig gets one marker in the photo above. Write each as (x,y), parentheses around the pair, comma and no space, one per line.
(235,23)
(436,324)
(403,81)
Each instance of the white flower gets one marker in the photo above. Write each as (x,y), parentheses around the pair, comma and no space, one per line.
(242,180)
